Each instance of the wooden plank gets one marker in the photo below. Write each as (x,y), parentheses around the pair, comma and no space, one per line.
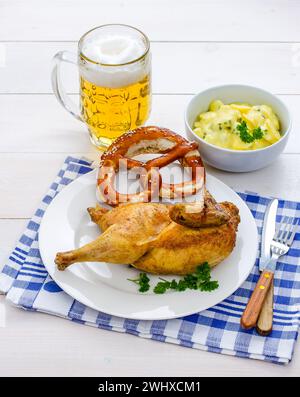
(177,67)
(42,125)
(208,20)
(25,178)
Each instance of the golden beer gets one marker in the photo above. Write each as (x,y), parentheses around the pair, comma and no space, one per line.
(114,64)
(109,112)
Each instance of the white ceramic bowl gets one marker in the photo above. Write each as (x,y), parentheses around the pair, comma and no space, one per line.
(238,160)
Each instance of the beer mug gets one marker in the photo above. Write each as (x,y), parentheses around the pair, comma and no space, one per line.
(114,63)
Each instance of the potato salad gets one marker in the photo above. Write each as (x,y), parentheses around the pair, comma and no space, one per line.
(238,126)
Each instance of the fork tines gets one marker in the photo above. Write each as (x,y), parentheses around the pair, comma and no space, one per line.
(286,230)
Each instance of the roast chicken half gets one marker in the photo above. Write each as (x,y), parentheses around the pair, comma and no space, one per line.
(159,238)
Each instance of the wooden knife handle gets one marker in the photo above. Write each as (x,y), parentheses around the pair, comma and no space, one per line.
(265,320)
(253,308)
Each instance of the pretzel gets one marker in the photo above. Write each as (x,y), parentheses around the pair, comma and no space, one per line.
(150,140)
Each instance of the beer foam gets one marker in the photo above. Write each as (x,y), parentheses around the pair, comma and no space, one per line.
(113,51)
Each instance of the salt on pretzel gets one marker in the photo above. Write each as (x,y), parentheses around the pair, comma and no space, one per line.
(150,140)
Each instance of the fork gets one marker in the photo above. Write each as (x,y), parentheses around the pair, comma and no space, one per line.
(280,245)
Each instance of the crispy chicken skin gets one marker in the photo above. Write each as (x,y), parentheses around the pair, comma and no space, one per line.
(144,235)
(127,231)
(180,249)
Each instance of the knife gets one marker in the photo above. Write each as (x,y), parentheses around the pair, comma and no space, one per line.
(265,320)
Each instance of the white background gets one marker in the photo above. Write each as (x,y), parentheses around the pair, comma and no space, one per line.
(195,44)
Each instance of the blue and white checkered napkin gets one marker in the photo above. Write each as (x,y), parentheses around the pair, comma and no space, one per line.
(27,284)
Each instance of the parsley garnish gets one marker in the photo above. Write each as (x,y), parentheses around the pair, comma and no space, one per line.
(246,136)
(162,287)
(257,133)
(199,280)
(142,281)
(209,285)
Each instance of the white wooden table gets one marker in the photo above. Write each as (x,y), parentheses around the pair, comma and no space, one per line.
(195,44)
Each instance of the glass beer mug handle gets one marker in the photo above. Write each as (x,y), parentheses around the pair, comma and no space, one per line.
(58,89)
